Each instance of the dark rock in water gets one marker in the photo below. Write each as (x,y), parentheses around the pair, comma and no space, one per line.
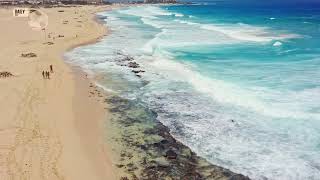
(239,177)
(162,163)
(133,65)
(226,173)
(134,177)
(124,178)
(138,71)
(165,141)
(144,83)
(158,155)
(151,166)
(170,154)
(119,53)
(143,147)
(119,165)
(102,17)
(128,58)
(192,176)
(159,145)
(130,165)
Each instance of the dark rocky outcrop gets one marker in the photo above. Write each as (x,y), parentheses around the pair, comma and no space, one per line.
(149,150)
(170,154)
(138,71)
(133,65)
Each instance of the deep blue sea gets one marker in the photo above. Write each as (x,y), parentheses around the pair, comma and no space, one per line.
(239,85)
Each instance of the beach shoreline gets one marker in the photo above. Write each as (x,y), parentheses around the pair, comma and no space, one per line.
(56,128)
(142,146)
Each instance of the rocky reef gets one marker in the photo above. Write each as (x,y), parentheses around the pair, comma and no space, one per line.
(148,151)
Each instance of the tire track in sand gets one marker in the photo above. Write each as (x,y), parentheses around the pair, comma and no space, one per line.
(34,147)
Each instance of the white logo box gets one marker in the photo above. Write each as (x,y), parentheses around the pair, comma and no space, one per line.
(21,12)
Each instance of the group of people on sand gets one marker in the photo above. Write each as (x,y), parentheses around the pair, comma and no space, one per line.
(46,74)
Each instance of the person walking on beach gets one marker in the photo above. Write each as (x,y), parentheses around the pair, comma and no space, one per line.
(47,75)
(51,68)
(43,75)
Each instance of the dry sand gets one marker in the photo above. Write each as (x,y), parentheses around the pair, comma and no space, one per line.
(50,129)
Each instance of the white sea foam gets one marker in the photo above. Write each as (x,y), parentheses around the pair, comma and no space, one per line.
(178,15)
(248,33)
(278,43)
(111,18)
(257,156)
(146,12)
(186,22)
(149,46)
(240,31)
(223,92)
(243,32)
(152,23)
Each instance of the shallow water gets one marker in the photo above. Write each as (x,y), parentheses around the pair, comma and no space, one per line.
(239,86)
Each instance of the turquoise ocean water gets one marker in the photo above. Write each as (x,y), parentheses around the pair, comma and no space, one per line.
(239,86)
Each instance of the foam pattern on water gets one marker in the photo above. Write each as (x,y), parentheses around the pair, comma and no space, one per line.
(222,88)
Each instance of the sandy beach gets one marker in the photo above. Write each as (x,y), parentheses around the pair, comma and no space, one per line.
(50,128)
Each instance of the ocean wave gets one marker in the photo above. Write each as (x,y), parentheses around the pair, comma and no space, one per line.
(178,15)
(186,22)
(152,23)
(243,32)
(227,93)
(239,31)
(146,11)
(149,46)
(277,43)
(249,33)
(223,133)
